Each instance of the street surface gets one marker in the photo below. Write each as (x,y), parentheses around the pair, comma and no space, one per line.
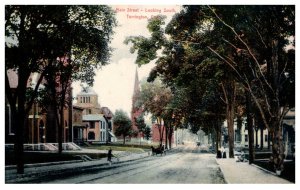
(185,165)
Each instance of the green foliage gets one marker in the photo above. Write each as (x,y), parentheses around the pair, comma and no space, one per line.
(123,124)
(38,37)
(211,48)
(154,98)
(143,128)
(147,48)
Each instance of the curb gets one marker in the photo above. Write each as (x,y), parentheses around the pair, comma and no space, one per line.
(9,167)
(226,180)
(265,170)
(36,175)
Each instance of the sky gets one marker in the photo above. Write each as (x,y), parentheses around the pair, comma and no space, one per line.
(114,82)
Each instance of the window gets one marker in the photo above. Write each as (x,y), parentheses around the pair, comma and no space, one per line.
(266,138)
(246,138)
(91,136)
(92,125)
(102,136)
(90,111)
(104,125)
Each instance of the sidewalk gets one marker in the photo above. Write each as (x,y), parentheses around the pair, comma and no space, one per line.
(243,173)
(38,171)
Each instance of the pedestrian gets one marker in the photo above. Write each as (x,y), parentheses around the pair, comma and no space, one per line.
(109,155)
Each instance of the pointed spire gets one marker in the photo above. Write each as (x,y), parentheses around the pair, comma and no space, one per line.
(136,89)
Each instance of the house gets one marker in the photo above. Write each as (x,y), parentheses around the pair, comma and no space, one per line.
(262,137)
(241,137)
(96,123)
(96,130)
(288,129)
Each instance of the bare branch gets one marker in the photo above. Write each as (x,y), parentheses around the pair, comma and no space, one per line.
(260,37)
(236,71)
(245,44)
(258,106)
(224,92)
(283,70)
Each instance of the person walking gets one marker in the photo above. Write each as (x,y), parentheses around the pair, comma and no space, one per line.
(109,155)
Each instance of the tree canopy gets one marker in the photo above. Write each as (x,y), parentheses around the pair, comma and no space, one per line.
(38,37)
(251,45)
(123,124)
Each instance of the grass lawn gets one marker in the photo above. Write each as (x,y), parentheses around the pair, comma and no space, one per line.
(118,147)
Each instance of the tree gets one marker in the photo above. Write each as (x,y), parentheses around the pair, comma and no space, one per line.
(154,98)
(141,125)
(36,36)
(147,132)
(261,62)
(123,124)
(180,69)
(254,47)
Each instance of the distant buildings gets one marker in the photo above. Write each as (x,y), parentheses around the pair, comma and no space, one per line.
(84,121)
(96,124)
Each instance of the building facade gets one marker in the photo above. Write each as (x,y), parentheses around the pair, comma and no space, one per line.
(96,124)
(41,125)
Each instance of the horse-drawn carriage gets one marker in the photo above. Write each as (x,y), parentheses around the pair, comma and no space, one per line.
(159,150)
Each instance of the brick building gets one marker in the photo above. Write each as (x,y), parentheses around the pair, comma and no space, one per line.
(96,123)
(40,124)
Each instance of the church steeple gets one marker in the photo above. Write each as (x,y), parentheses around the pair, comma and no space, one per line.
(136,88)
(135,110)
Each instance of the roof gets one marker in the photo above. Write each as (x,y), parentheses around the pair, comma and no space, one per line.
(78,125)
(78,107)
(93,117)
(87,91)
(106,111)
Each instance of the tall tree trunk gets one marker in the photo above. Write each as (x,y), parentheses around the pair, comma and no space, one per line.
(166,134)
(229,90)
(60,129)
(19,140)
(276,120)
(261,137)
(250,128)
(230,124)
(269,138)
(256,137)
(21,99)
(218,135)
(61,112)
(170,137)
